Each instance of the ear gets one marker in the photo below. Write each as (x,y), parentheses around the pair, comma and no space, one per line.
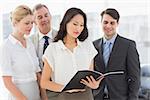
(117,23)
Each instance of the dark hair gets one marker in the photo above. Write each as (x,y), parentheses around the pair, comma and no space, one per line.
(38,6)
(112,12)
(70,13)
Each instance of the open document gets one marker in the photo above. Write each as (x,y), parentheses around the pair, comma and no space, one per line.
(75,81)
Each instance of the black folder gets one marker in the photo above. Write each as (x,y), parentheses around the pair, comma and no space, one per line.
(75,81)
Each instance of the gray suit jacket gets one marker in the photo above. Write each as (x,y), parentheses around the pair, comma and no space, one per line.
(124,57)
(35,39)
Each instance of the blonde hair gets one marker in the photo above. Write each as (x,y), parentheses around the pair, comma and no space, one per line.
(19,13)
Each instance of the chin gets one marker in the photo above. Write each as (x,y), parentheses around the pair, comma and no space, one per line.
(27,34)
(108,33)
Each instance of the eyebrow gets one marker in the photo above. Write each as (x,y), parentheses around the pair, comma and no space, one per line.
(77,22)
(109,21)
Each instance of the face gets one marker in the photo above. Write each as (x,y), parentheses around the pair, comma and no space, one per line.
(25,25)
(75,26)
(43,20)
(109,25)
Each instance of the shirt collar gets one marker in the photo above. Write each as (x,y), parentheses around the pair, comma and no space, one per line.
(79,42)
(13,40)
(62,45)
(112,40)
(49,34)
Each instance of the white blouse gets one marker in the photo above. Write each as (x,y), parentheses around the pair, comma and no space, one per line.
(19,62)
(65,63)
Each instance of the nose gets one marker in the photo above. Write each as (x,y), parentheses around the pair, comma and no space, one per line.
(44,18)
(30,25)
(108,25)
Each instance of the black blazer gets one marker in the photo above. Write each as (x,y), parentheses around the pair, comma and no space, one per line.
(124,57)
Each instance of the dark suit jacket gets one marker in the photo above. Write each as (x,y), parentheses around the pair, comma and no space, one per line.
(124,57)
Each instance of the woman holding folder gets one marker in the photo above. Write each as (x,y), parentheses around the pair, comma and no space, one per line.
(70,52)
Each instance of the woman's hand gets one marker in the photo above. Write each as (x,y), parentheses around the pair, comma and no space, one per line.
(91,82)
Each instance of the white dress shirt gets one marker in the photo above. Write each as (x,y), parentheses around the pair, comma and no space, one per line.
(19,62)
(65,63)
(41,45)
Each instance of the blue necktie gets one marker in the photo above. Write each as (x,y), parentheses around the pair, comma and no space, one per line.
(106,54)
(106,51)
(46,43)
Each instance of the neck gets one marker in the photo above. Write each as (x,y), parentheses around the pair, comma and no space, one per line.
(108,37)
(45,31)
(18,36)
(70,41)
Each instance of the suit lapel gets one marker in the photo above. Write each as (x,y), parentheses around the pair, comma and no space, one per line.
(100,50)
(101,54)
(114,49)
(36,43)
(54,33)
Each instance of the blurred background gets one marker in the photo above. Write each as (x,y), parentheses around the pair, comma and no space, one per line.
(134,21)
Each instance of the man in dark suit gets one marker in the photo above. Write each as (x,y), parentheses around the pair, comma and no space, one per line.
(120,55)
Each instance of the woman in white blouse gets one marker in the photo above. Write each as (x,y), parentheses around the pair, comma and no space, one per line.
(70,52)
(18,62)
